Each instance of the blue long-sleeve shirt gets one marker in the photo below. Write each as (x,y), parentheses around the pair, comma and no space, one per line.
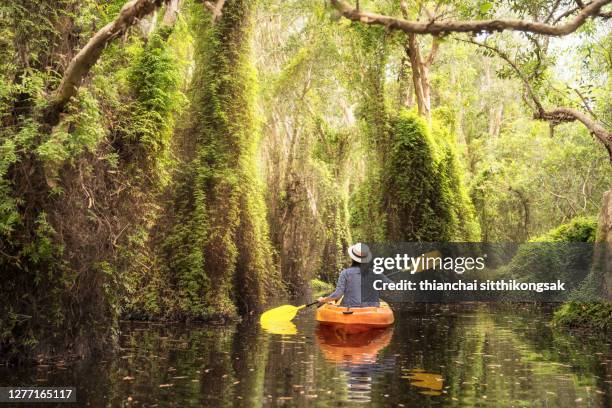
(350,286)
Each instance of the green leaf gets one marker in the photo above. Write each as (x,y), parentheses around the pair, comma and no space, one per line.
(485,7)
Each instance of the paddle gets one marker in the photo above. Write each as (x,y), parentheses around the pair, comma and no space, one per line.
(288,312)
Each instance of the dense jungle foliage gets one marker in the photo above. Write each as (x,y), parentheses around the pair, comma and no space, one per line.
(207,162)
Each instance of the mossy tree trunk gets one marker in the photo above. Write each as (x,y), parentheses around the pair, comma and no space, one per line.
(70,227)
(220,256)
(367,220)
(413,188)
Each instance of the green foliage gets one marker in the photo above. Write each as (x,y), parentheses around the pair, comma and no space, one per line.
(580,229)
(218,246)
(596,316)
(78,132)
(420,189)
(10,154)
(154,81)
(329,159)
(86,234)
(546,258)
(535,181)
(54,183)
(320,287)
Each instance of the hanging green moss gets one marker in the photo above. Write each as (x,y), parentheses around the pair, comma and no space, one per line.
(370,54)
(58,299)
(68,224)
(143,140)
(464,223)
(421,188)
(331,161)
(220,256)
(154,81)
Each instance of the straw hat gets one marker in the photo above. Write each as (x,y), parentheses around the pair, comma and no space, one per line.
(360,253)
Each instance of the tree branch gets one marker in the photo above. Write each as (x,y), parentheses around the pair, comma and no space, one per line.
(82,62)
(562,114)
(585,103)
(552,11)
(442,27)
(558,114)
(523,78)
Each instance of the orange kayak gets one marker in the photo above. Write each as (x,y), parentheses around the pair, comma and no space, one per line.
(357,319)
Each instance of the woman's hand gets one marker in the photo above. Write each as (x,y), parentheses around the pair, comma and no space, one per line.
(322,299)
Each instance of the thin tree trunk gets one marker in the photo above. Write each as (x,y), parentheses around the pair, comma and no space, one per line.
(495,118)
(171,14)
(414,54)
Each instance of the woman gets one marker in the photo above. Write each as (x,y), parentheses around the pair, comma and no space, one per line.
(350,287)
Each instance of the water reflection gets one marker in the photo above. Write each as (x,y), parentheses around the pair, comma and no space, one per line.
(279,327)
(356,356)
(432,357)
(432,383)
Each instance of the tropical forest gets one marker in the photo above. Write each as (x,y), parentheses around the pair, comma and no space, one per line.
(172,169)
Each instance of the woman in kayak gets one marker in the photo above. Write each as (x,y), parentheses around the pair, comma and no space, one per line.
(350,287)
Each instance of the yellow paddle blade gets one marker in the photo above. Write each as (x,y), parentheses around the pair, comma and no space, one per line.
(283,313)
(279,327)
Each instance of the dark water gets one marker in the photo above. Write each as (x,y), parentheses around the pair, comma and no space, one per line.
(433,357)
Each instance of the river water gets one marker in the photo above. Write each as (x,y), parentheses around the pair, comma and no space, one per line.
(433,356)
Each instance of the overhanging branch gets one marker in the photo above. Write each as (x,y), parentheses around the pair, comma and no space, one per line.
(558,114)
(82,62)
(472,26)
